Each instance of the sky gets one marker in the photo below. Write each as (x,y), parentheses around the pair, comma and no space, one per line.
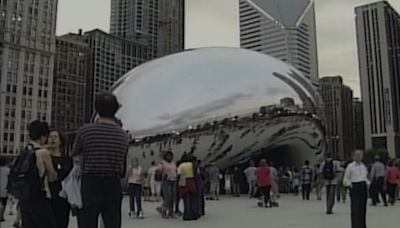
(216,23)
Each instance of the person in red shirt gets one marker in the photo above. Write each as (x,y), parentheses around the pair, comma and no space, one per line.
(392,178)
(264,181)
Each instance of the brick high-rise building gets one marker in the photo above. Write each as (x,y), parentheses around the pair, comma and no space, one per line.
(69,84)
(338,99)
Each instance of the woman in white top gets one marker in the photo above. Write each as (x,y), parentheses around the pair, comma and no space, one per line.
(135,177)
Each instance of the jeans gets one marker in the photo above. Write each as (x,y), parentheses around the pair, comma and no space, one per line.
(391,189)
(37,213)
(330,197)
(201,200)
(236,189)
(265,192)
(341,192)
(135,194)
(252,187)
(305,190)
(190,206)
(169,192)
(100,195)
(377,187)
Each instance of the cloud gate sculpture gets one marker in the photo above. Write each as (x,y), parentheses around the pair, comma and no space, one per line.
(224,105)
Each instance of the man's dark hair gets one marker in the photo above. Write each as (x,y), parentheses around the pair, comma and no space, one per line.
(153,163)
(3,161)
(106,105)
(38,129)
(307,162)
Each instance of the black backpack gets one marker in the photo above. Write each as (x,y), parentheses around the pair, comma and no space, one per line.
(329,172)
(25,181)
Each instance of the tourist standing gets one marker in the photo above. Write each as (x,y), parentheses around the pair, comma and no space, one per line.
(307,176)
(214,181)
(329,170)
(33,190)
(274,180)
(250,173)
(356,179)
(62,163)
(155,182)
(392,178)
(187,188)
(102,147)
(168,170)
(264,181)
(237,180)
(135,176)
(377,178)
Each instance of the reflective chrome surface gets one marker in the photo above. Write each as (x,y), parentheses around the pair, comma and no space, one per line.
(200,101)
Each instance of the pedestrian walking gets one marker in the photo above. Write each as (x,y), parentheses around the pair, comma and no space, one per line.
(356,179)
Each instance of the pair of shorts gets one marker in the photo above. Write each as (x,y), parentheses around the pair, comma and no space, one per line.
(3,201)
(155,187)
(214,187)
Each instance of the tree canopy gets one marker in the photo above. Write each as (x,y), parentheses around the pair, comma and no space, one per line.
(371,153)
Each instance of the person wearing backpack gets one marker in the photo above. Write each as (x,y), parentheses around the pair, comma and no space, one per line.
(329,170)
(29,179)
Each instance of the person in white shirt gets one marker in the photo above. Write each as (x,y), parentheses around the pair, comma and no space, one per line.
(155,182)
(356,179)
(250,173)
(135,177)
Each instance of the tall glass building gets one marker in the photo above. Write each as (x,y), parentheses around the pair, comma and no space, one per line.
(378,38)
(284,29)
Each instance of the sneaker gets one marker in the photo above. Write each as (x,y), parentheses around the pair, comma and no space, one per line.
(140,215)
(132,214)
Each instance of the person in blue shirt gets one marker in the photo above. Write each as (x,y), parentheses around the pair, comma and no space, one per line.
(214,181)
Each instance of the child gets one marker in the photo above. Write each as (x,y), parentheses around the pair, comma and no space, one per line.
(146,187)
(228,178)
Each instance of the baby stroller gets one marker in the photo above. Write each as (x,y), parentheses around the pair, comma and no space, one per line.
(260,200)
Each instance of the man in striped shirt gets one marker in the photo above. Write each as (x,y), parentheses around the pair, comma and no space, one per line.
(102,147)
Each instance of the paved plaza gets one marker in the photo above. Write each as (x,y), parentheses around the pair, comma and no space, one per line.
(243,213)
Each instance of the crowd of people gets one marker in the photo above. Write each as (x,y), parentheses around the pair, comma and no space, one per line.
(50,184)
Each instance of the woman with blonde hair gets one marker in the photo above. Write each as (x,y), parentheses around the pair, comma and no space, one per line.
(135,177)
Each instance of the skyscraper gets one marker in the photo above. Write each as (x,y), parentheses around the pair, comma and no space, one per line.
(158,23)
(110,57)
(338,99)
(358,124)
(27,41)
(378,35)
(69,83)
(284,29)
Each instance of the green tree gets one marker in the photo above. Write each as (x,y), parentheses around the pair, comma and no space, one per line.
(371,153)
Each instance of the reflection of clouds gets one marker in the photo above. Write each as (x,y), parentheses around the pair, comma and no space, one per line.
(204,112)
